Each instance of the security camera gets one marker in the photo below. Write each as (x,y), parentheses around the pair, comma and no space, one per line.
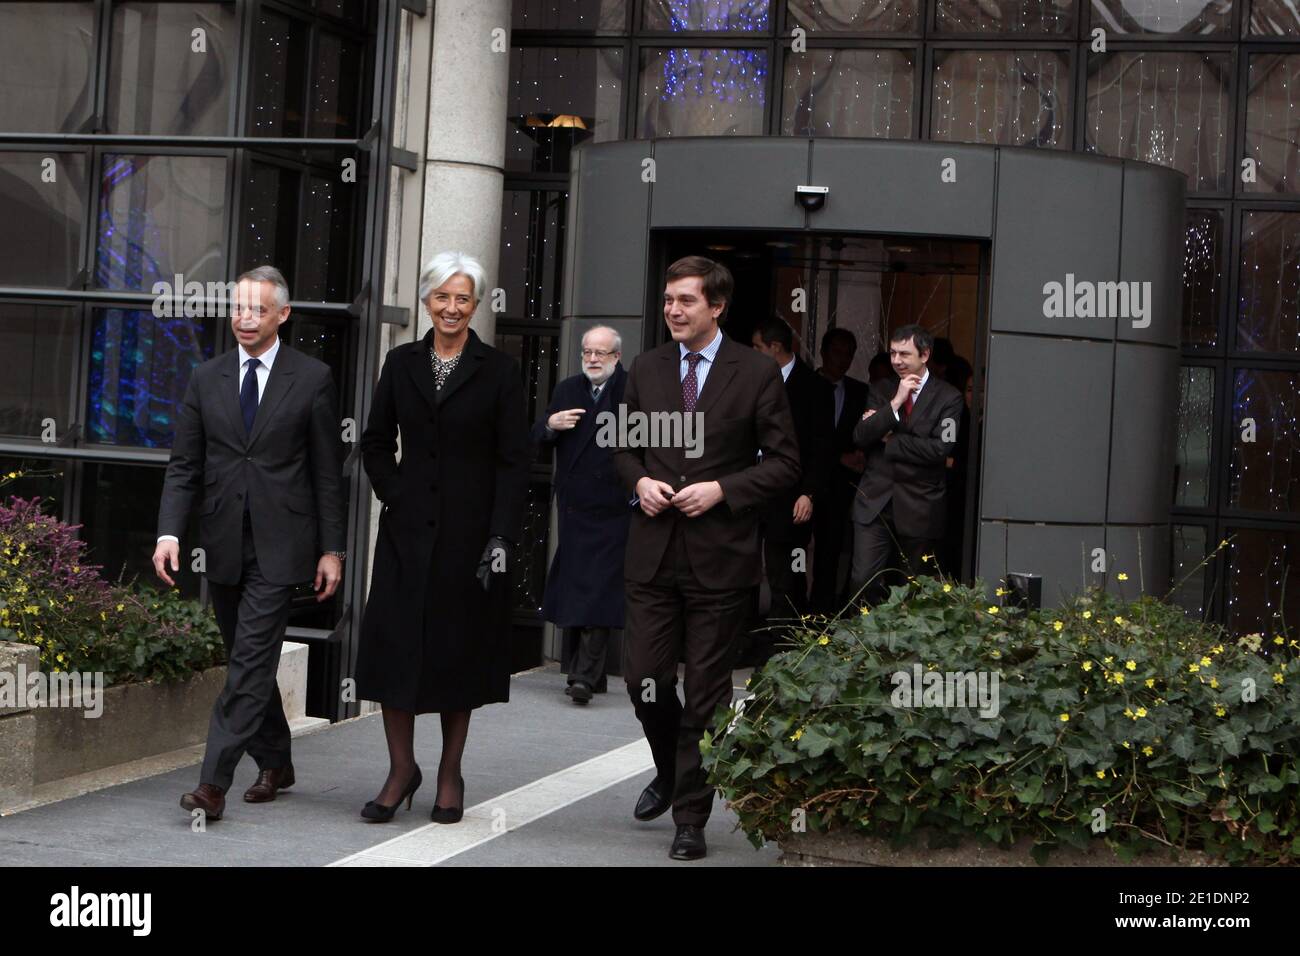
(811,198)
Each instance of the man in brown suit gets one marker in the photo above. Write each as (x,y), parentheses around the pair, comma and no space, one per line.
(693,556)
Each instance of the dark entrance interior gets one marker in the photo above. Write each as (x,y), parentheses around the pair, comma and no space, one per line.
(870,285)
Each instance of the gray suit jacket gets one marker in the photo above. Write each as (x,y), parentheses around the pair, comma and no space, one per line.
(289,469)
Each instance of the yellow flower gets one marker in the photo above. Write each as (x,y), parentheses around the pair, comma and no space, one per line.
(1147,750)
(1108,660)
(1206,662)
(1057,626)
(927,557)
(1193,668)
(1065,718)
(59,658)
(992,609)
(1122,576)
(1128,712)
(1130,665)
(1219,711)
(1214,682)
(1086,615)
(797,734)
(1141,711)
(1101,774)
(823,640)
(865,611)
(999,592)
(1086,665)
(1119,678)
(1277,678)
(1151,682)
(1119,620)
(1278,639)
(1127,745)
(947,588)
(1216,649)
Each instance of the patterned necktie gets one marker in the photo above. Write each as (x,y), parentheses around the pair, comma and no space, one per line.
(690,384)
(248,395)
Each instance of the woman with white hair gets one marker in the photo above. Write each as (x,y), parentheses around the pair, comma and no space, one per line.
(435,636)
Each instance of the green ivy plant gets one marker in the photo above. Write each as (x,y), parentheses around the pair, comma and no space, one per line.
(1120,721)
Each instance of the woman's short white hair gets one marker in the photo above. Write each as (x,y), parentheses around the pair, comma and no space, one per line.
(447,264)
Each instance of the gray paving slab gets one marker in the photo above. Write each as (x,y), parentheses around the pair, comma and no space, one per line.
(540,732)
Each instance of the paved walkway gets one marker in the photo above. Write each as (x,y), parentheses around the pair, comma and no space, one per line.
(548,784)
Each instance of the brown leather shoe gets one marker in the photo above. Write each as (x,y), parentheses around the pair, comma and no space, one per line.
(207,797)
(268,782)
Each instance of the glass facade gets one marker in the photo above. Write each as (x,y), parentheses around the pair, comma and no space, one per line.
(1201,86)
(179,163)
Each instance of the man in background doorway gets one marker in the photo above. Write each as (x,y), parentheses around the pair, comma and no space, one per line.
(787,524)
(584,589)
(907,433)
(831,519)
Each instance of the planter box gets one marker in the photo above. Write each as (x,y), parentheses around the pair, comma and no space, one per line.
(847,848)
(45,744)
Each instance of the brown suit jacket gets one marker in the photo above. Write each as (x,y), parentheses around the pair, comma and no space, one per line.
(745,410)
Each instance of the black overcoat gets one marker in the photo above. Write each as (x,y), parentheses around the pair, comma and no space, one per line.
(584,587)
(431,639)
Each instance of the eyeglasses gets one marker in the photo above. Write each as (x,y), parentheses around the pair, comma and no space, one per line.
(598,353)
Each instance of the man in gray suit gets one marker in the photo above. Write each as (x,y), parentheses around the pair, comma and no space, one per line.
(257,449)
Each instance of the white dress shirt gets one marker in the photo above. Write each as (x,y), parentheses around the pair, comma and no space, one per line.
(786,368)
(708,353)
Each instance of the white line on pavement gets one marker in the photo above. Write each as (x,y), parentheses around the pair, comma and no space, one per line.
(433,843)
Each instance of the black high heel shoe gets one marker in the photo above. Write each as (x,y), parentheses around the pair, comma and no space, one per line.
(450,814)
(378,813)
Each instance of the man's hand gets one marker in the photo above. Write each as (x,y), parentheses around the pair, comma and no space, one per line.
(329,571)
(694,500)
(563,421)
(167,552)
(868,413)
(906,386)
(803,509)
(655,495)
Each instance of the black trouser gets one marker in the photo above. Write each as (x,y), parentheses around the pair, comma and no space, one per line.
(667,616)
(587,660)
(789,590)
(831,522)
(248,715)
(875,544)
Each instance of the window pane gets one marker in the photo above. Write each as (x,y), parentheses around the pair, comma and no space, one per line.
(1188,570)
(1171,109)
(41,242)
(598,16)
(46,54)
(702,92)
(1007,17)
(1268,302)
(140,365)
(39,345)
(325,267)
(885,16)
(1274,18)
(335,93)
(269,230)
(531,252)
(353,10)
(1011,97)
(151,227)
(1187,17)
(1195,437)
(1203,279)
(747,16)
(119,515)
(1273,122)
(539,361)
(323,338)
(278,81)
(41,478)
(560,97)
(1263,578)
(865,93)
(158,82)
(1264,473)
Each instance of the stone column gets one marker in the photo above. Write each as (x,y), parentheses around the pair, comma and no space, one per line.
(464,162)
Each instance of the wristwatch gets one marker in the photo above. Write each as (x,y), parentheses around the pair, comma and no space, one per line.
(341,555)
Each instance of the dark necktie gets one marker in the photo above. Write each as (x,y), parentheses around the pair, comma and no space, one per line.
(907,407)
(595,393)
(248,395)
(690,384)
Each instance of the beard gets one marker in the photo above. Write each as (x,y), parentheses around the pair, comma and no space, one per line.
(601,377)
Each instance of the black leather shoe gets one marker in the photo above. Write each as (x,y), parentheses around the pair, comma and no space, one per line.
(654,801)
(450,814)
(688,844)
(580,691)
(374,812)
